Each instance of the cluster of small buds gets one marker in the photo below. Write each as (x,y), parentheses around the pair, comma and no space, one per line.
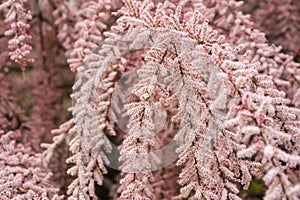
(17,16)
(21,173)
(88,28)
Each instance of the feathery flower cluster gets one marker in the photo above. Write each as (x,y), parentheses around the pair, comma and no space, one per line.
(185,98)
(17,16)
(21,173)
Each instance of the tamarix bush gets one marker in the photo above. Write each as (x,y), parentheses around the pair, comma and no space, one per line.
(149,100)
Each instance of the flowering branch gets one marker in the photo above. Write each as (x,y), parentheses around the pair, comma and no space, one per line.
(17,16)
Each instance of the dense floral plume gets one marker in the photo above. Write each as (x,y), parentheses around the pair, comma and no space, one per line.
(171,100)
(17,16)
(22,174)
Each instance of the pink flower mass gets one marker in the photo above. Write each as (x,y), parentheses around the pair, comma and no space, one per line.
(147,99)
